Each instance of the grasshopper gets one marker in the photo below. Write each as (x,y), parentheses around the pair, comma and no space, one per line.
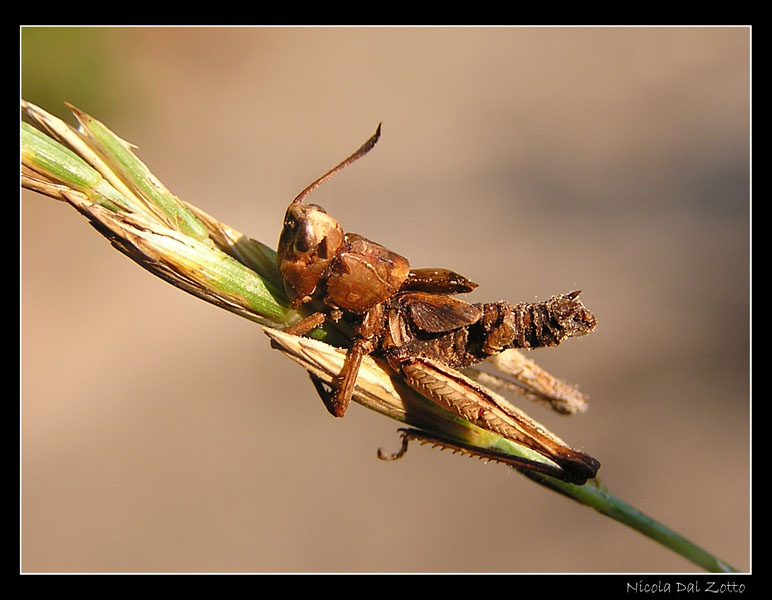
(413,319)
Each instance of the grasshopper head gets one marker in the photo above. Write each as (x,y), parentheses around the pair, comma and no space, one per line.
(310,239)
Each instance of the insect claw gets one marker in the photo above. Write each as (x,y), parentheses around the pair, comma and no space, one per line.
(328,398)
(400,453)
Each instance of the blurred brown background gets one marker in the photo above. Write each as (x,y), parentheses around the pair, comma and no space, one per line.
(162,434)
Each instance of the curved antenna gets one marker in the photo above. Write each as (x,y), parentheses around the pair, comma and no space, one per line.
(364,149)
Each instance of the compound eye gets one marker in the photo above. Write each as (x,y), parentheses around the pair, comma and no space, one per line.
(305,238)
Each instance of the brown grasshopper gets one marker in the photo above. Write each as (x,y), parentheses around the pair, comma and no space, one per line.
(410,318)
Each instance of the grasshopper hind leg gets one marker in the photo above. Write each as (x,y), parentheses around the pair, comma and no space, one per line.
(461,396)
(456,446)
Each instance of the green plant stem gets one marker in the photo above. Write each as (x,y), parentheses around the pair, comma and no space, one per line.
(595,495)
